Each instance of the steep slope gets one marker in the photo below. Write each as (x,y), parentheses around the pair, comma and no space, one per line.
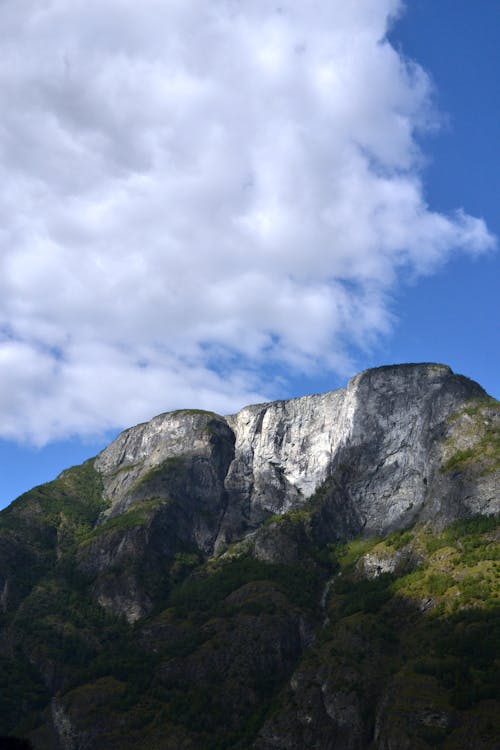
(163,594)
(389,426)
(383,437)
(204,481)
(405,658)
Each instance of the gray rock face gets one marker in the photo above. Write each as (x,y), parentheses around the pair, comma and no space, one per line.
(164,481)
(376,449)
(283,452)
(374,564)
(384,437)
(400,431)
(137,455)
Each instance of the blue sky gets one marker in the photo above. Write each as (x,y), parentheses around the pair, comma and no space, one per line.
(261,302)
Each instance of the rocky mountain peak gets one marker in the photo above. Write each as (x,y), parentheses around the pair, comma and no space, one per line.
(382,435)
(333,556)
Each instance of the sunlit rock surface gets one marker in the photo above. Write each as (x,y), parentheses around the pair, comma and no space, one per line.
(384,436)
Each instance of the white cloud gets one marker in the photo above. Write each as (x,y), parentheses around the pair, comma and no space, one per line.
(184,183)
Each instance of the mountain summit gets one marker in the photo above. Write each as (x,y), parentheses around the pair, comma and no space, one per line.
(177,591)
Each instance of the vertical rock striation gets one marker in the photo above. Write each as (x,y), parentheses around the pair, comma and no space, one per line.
(196,480)
(383,437)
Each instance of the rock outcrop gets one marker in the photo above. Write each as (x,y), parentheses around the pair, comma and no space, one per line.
(376,448)
(384,436)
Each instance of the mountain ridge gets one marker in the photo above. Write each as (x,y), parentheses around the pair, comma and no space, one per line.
(197,548)
(283,450)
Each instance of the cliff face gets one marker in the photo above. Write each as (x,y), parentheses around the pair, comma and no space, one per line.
(384,435)
(384,438)
(198,557)
(205,481)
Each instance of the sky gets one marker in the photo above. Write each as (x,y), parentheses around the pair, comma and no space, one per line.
(207,204)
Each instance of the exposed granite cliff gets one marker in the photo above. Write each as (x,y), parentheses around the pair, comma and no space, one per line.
(383,436)
(383,439)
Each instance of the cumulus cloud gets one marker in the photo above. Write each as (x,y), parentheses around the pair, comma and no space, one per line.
(193,189)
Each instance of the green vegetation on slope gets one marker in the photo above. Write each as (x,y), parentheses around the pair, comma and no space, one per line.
(63,510)
(205,593)
(212,663)
(433,634)
(480,426)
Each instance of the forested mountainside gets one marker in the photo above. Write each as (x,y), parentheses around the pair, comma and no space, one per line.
(320,572)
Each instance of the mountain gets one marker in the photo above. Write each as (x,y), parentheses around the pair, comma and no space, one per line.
(320,572)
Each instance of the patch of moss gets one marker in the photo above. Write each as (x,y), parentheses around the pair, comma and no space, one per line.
(484,433)
(348,553)
(167,468)
(467,533)
(486,451)
(184,563)
(138,514)
(399,539)
(126,467)
(475,407)
(295,516)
